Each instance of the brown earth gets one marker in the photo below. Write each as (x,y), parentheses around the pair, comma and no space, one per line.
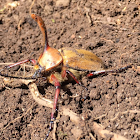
(110,29)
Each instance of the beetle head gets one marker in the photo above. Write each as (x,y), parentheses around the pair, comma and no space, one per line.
(38,71)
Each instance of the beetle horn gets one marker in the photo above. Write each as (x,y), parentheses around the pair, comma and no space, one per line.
(42,26)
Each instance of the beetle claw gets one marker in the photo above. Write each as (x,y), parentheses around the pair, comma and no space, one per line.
(50,129)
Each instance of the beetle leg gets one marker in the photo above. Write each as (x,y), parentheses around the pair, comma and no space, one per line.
(57,85)
(108,71)
(18,63)
(75,79)
(72,75)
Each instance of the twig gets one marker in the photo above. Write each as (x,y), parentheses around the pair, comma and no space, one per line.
(90,134)
(31,6)
(105,22)
(19,24)
(88,17)
(100,116)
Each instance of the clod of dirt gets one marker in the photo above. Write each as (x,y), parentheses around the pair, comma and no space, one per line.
(94,94)
(62,3)
(76,132)
(120,95)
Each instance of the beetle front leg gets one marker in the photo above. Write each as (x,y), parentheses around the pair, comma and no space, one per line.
(18,63)
(75,79)
(55,81)
(65,72)
(108,71)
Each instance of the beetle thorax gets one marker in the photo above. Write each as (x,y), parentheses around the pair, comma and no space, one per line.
(50,58)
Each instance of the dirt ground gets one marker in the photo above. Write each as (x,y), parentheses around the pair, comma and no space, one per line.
(110,29)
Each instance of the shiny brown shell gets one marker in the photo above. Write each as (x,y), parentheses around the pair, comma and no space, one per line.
(80,59)
(50,58)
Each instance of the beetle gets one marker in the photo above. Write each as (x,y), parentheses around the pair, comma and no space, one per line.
(59,65)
